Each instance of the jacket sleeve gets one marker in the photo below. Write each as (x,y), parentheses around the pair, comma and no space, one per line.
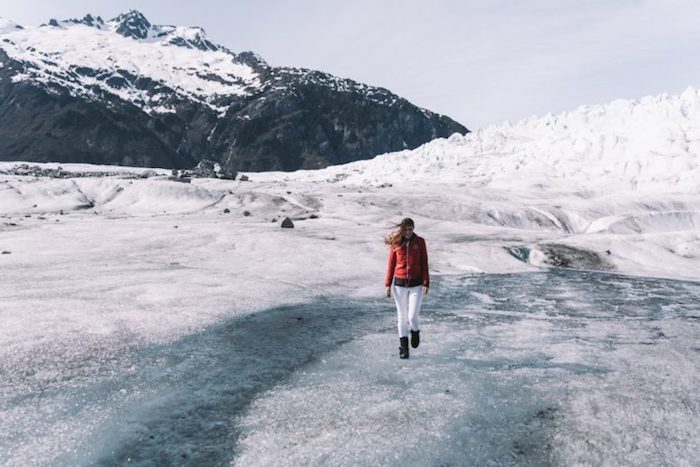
(390,267)
(424,265)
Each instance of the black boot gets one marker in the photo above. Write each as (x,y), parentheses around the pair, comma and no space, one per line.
(403,350)
(415,338)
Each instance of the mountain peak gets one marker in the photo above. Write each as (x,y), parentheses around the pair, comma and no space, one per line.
(131,24)
(87,20)
(184,36)
(90,20)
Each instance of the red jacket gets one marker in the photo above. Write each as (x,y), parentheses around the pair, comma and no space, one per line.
(408,260)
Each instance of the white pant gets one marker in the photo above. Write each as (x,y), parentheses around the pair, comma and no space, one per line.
(408,301)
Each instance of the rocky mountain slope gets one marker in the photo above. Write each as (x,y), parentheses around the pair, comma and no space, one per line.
(128,92)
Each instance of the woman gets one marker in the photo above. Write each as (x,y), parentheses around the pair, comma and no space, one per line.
(408,269)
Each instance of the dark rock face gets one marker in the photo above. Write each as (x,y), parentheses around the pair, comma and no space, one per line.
(297,119)
(89,20)
(565,256)
(41,127)
(310,124)
(133,24)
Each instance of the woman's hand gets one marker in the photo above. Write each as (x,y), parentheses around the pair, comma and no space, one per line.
(425,290)
(388,292)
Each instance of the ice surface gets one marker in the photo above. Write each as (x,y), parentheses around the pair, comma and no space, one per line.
(596,371)
(130,332)
(558,367)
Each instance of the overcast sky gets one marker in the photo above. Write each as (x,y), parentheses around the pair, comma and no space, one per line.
(477,61)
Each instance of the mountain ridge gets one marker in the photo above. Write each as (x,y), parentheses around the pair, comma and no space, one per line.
(200,100)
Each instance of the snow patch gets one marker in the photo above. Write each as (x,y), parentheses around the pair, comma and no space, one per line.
(58,54)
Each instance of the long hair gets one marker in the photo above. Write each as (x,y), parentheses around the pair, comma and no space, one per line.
(395,237)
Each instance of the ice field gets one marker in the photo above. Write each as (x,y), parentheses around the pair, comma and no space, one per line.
(134,335)
(549,368)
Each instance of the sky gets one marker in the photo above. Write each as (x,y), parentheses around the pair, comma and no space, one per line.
(480,62)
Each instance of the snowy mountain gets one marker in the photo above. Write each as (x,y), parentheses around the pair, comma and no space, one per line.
(649,144)
(128,92)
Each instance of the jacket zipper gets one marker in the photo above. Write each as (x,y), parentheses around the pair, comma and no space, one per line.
(408,263)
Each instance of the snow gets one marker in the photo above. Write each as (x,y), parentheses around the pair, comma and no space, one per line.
(623,146)
(8,26)
(89,57)
(142,321)
(54,53)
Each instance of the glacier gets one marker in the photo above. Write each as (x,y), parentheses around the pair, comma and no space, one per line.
(150,321)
